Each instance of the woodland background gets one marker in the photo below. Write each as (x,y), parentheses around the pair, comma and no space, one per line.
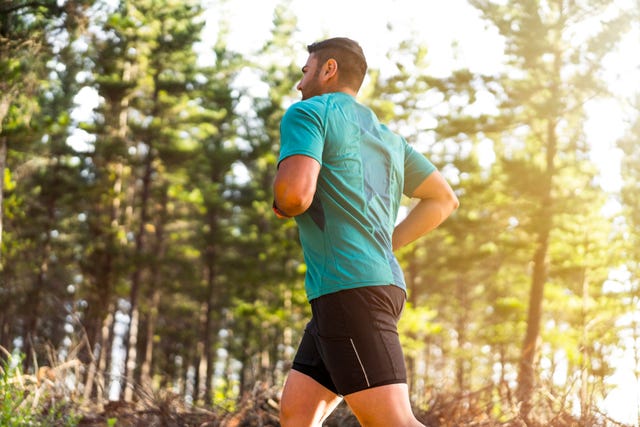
(140,255)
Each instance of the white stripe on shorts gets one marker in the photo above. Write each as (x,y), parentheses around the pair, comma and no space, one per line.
(360,362)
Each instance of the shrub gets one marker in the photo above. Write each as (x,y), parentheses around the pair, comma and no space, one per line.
(31,401)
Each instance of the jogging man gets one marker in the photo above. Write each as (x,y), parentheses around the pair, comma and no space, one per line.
(341,174)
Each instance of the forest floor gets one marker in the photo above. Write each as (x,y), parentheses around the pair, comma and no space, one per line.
(260,409)
(44,400)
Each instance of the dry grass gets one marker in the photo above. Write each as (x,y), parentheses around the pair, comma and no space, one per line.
(48,398)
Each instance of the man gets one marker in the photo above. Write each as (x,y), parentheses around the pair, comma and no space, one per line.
(341,174)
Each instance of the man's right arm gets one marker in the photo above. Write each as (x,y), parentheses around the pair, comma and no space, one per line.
(437,202)
(295,185)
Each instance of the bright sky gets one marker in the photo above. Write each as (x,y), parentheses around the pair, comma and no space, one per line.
(366,21)
(440,25)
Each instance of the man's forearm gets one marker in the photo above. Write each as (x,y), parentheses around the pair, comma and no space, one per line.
(424,217)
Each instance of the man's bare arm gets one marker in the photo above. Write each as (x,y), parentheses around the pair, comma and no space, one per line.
(437,202)
(295,185)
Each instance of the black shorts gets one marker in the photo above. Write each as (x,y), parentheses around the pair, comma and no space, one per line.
(351,342)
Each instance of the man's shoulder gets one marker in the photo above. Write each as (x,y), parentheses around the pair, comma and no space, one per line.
(306,108)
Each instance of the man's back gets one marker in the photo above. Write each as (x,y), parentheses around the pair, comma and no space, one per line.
(346,233)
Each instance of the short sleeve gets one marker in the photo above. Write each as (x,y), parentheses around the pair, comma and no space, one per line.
(301,132)
(416,169)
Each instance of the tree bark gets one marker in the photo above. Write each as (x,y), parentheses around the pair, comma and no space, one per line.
(100,354)
(159,249)
(526,372)
(33,304)
(136,278)
(584,363)
(3,163)
(461,333)
(210,329)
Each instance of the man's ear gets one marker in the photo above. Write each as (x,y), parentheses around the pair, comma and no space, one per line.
(330,69)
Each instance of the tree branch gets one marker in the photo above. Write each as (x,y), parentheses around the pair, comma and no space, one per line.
(7,7)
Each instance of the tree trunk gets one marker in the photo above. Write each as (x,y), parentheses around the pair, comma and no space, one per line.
(526,372)
(461,333)
(131,352)
(584,349)
(98,367)
(34,298)
(3,163)
(199,362)
(94,356)
(145,369)
(159,250)
(210,329)
(134,312)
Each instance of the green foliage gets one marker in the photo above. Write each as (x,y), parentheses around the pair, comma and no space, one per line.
(416,325)
(9,184)
(24,402)
(12,403)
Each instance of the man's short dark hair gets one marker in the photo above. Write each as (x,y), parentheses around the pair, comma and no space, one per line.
(352,64)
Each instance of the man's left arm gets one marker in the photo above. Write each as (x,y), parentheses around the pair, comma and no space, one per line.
(295,185)
(437,202)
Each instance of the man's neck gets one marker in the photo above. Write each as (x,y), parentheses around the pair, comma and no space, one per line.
(345,90)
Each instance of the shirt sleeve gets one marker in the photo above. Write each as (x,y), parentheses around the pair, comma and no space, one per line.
(301,132)
(416,169)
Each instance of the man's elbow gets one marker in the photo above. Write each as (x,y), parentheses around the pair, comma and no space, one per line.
(293,205)
(455,203)
(452,203)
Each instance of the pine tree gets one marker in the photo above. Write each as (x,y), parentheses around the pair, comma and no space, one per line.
(166,66)
(549,77)
(214,151)
(107,174)
(39,84)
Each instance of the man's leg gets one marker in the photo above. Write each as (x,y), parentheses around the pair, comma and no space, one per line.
(383,406)
(304,402)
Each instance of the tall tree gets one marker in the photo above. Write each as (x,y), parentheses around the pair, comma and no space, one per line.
(107,174)
(164,70)
(214,152)
(39,39)
(551,73)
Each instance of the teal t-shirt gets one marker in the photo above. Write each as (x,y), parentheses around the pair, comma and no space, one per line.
(346,233)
